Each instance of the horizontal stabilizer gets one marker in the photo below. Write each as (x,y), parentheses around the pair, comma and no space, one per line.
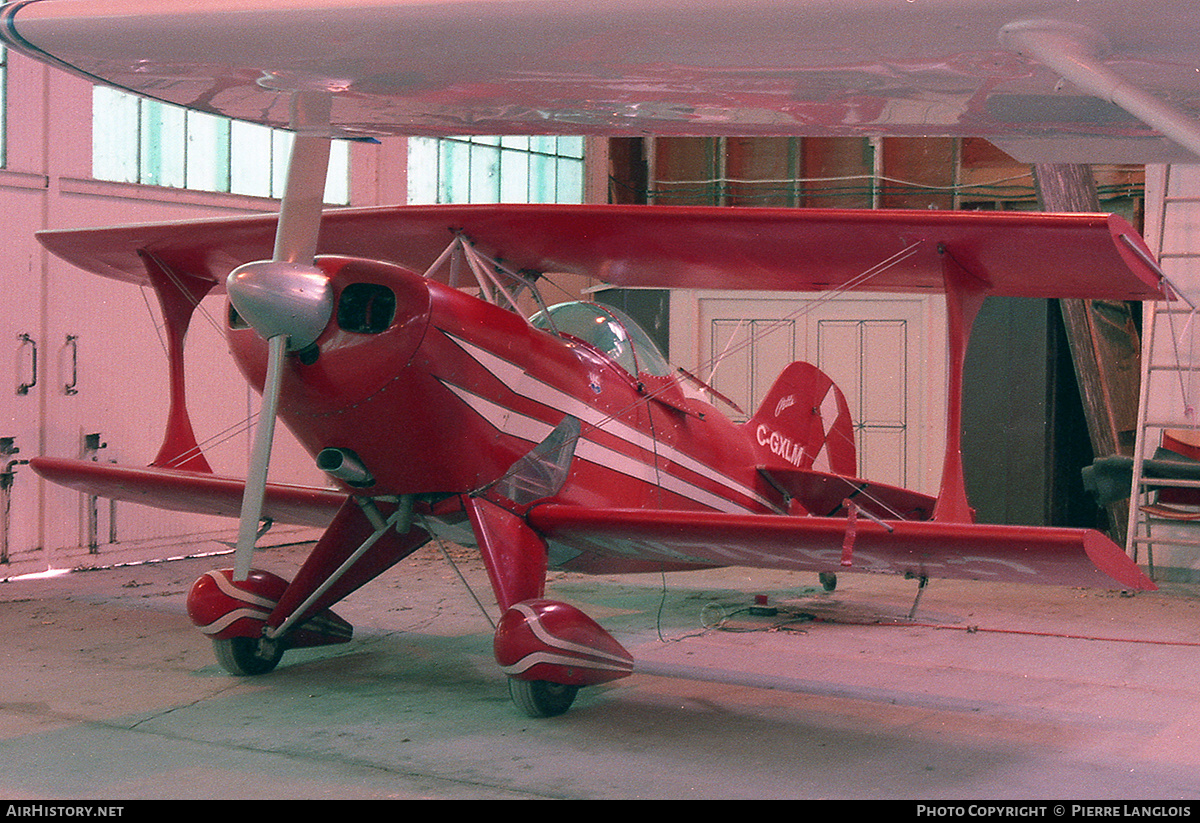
(825,495)
(1023,554)
(189,491)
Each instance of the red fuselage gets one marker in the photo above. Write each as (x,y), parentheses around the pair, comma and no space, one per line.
(448,392)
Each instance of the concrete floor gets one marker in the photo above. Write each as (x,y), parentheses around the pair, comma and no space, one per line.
(991,692)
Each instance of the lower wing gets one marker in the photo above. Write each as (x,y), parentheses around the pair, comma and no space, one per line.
(1028,554)
(190,491)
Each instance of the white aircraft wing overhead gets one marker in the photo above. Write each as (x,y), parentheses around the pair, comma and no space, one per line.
(1089,79)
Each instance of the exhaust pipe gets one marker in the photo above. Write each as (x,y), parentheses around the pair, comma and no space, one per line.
(345,465)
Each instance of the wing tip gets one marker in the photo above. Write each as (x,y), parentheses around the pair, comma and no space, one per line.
(1110,559)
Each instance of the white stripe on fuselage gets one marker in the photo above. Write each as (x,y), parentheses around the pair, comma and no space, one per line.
(527,428)
(522,383)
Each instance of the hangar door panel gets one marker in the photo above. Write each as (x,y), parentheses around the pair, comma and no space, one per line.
(746,356)
(23,374)
(876,349)
(868,359)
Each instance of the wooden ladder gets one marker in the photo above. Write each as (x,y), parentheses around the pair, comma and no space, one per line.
(1159,511)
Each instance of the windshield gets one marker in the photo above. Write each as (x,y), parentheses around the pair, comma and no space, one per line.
(609,331)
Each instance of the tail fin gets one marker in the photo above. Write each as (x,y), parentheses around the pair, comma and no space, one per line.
(804,422)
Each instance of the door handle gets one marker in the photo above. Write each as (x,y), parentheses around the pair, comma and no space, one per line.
(73,342)
(28,342)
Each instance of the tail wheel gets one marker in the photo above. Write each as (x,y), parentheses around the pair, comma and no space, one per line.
(541,698)
(247,656)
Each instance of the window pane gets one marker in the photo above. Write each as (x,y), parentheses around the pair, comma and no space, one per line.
(207,152)
(570,146)
(422,170)
(250,166)
(454,172)
(485,174)
(514,177)
(542,178)
(115,127)
(162,151)
(337,182)
(281,150)
(545,145)
(569,182)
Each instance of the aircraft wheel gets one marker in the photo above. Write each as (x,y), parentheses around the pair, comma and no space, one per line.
(541,698)
(828,580)
(247,656)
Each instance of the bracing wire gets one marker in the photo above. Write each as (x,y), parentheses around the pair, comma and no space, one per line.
(450,560)
(853,283)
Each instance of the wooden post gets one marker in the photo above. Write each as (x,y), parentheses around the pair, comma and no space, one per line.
(1103,338)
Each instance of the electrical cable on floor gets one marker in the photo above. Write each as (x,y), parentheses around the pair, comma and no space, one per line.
(791,616)
(662,602)
(1033,633)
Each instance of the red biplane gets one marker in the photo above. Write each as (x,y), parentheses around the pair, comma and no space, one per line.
(565,440)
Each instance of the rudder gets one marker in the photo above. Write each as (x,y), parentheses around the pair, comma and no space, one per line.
(804,422)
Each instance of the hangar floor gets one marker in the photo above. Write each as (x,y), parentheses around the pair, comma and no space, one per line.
(991,692)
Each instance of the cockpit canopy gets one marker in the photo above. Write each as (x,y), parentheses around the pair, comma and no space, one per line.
(607,330)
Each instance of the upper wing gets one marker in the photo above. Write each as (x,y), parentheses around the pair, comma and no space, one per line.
(190,491)
(1027,554)
(1025,254)
(935,67)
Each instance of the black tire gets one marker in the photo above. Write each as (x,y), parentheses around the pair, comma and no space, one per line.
(247,656)
(828,580)
(541,698)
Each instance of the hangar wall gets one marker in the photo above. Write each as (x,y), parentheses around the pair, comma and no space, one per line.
(1025,439)
(83,371)
(65,330)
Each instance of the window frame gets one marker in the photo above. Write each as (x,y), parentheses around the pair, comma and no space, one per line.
(496,169)
(152,143)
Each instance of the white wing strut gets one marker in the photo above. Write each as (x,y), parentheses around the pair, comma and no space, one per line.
(304,191)
(1073,52)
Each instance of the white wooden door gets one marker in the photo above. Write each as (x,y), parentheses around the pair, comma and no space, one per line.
(886,353)
(22,375)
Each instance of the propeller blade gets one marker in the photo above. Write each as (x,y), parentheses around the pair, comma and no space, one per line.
(295,249)
(260,459)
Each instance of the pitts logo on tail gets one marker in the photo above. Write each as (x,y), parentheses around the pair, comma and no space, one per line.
(815,433)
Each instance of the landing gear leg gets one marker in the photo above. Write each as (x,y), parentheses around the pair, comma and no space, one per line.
(540,644)
(922,582)
(541,698)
